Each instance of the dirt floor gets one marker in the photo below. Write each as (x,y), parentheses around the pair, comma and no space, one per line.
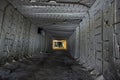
(48,66)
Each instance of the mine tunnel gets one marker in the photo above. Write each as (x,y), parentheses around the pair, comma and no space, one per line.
(59,39)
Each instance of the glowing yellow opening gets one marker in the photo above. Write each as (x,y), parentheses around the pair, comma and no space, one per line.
(59,45)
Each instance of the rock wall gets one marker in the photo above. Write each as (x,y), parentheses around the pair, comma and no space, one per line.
(100,39)
(18,36)
(73,43)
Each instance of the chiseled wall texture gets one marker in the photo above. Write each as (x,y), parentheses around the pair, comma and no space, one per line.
(18,36)
(73,43)
(100,38)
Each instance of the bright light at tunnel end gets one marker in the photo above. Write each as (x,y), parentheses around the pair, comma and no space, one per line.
(59,44)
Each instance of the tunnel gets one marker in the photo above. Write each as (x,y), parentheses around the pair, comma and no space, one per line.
(59,39)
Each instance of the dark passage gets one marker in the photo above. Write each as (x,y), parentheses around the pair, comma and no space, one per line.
(31,32)
(48,66)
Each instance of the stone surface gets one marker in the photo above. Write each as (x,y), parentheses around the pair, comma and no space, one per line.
(51,67)
(18,36)
(99,39)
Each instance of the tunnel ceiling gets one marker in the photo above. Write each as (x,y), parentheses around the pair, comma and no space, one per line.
(57,17)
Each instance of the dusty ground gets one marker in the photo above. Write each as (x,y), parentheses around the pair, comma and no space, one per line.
(54,66)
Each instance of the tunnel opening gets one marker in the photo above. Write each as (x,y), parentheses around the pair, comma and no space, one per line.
(59,44)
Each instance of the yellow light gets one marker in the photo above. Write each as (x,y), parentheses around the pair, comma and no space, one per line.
(59,44)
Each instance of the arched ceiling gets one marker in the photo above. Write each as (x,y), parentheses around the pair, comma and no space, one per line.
(57,17)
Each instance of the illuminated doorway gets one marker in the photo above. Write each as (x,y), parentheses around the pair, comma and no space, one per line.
(59,45)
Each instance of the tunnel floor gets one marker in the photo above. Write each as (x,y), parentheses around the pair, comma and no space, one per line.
(52,66)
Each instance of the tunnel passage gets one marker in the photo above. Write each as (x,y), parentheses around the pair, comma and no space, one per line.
(90,27)
(60,44)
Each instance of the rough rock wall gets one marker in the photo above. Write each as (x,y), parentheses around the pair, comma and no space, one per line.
(99,38)
(18,36)
(73,43)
